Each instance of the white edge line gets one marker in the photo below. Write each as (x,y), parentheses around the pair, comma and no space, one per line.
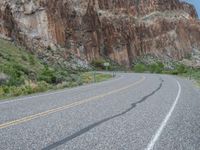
(164,123)
(57,92)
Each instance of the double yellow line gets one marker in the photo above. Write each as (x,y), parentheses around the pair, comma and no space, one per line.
(51,111)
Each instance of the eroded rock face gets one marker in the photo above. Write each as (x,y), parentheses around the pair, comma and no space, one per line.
(118,29)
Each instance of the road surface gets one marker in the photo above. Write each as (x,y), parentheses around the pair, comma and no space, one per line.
(129,112)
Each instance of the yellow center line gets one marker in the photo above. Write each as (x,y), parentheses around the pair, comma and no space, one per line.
(51,111)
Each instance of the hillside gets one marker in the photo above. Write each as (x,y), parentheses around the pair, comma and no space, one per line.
(120,30)
(21,73)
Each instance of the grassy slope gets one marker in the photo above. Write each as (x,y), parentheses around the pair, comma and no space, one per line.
(25,74)
(18,64)
(193,74)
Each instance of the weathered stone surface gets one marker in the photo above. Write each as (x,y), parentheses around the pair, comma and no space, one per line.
(118,29)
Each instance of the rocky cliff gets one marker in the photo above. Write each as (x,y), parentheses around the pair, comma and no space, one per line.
(118,29)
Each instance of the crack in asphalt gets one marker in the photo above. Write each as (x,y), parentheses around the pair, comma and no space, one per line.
(88,128)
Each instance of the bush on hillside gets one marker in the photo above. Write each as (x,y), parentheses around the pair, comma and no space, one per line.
(47,75)
(139,68)
(181,69)
(53,76)
(1,92)
(32,60)
(156,67)
(99,64)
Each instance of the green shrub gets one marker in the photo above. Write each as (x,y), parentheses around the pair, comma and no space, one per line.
(2,92)
(47,75)
(16,74)
(139,68)
(98,64)
(52,76)
(181,69)
(161,67)
(6,89)
(42,86)
(16,91)
(32,60)
(152,68)
(24,58)
(61,76)
(15,81)
(156,68)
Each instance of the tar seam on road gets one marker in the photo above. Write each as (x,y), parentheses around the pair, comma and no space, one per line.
(51,111)
(52,93)
(155,138)
(88,128)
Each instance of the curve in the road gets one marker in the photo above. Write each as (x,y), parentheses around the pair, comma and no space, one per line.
(164,123)
(88,128)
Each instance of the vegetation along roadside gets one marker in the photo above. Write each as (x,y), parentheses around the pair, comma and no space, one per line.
(22,73)
(151,64)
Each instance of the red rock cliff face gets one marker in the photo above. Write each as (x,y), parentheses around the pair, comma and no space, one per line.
(118,29)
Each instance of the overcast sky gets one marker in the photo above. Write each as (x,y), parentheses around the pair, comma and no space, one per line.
(196,3)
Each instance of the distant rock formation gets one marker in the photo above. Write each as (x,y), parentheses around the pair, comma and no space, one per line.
(118,29)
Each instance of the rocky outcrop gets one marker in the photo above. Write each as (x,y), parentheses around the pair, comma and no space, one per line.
(118,29)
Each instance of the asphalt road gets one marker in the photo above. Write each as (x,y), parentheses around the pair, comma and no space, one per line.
(129,112)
